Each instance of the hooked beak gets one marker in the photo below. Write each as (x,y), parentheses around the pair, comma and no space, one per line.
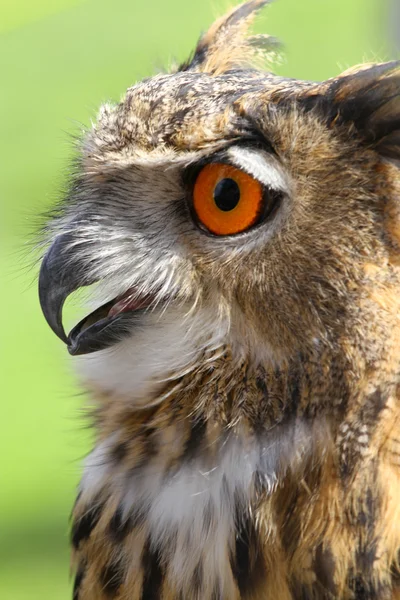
(57,280)
(60,275)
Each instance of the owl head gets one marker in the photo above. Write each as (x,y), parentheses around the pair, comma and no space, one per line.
(225,212)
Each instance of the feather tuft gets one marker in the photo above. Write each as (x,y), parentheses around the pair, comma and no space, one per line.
(226,45)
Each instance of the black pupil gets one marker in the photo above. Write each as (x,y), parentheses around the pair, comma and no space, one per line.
(226,194)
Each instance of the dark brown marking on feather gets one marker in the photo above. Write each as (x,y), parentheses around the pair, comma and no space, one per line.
(111,578)
(153,574)
(366,518)
(77,582)
(149,448)
(294,388)
(261,415)
(148,435)
(367,512)
(366,556)
(395,574)
(376,402)
(196,437)
(303,592)
(247,564)
(119,527)
(361,589)
(346,466)
(291,525)
(366,587)
(262,386)
(324,569)
(138,514)
(197,579)
(84,525)
(395,571)
(119,452)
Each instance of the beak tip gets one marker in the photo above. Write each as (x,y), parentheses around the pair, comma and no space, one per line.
(61,273)
(51,308)
(52,295)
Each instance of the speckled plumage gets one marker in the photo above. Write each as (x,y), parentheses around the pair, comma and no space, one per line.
(247,429)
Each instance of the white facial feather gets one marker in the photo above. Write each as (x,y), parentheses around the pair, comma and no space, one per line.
(164,346)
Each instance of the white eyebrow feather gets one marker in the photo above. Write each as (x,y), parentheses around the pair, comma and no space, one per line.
(261,165)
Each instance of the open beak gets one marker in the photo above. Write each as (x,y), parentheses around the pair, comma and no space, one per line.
(60,276)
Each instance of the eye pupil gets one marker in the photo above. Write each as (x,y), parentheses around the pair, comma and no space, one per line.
(226,194)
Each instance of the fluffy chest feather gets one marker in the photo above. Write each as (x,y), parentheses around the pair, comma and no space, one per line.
(189,496)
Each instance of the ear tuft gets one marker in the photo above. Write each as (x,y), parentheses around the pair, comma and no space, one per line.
(370,98)
(225,45)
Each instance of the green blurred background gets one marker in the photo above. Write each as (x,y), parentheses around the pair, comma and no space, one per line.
(59,59)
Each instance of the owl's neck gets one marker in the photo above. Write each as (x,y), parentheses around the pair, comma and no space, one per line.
(194,496)
(180,482)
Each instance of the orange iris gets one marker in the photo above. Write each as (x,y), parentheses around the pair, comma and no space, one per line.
(227,200)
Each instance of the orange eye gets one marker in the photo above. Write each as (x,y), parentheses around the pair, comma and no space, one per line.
(227,200)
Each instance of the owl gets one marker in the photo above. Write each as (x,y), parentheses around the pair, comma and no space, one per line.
(242,231)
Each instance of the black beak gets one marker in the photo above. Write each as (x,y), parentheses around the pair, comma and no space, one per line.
(61,274)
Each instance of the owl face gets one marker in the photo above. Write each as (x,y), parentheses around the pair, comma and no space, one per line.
(219,206)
